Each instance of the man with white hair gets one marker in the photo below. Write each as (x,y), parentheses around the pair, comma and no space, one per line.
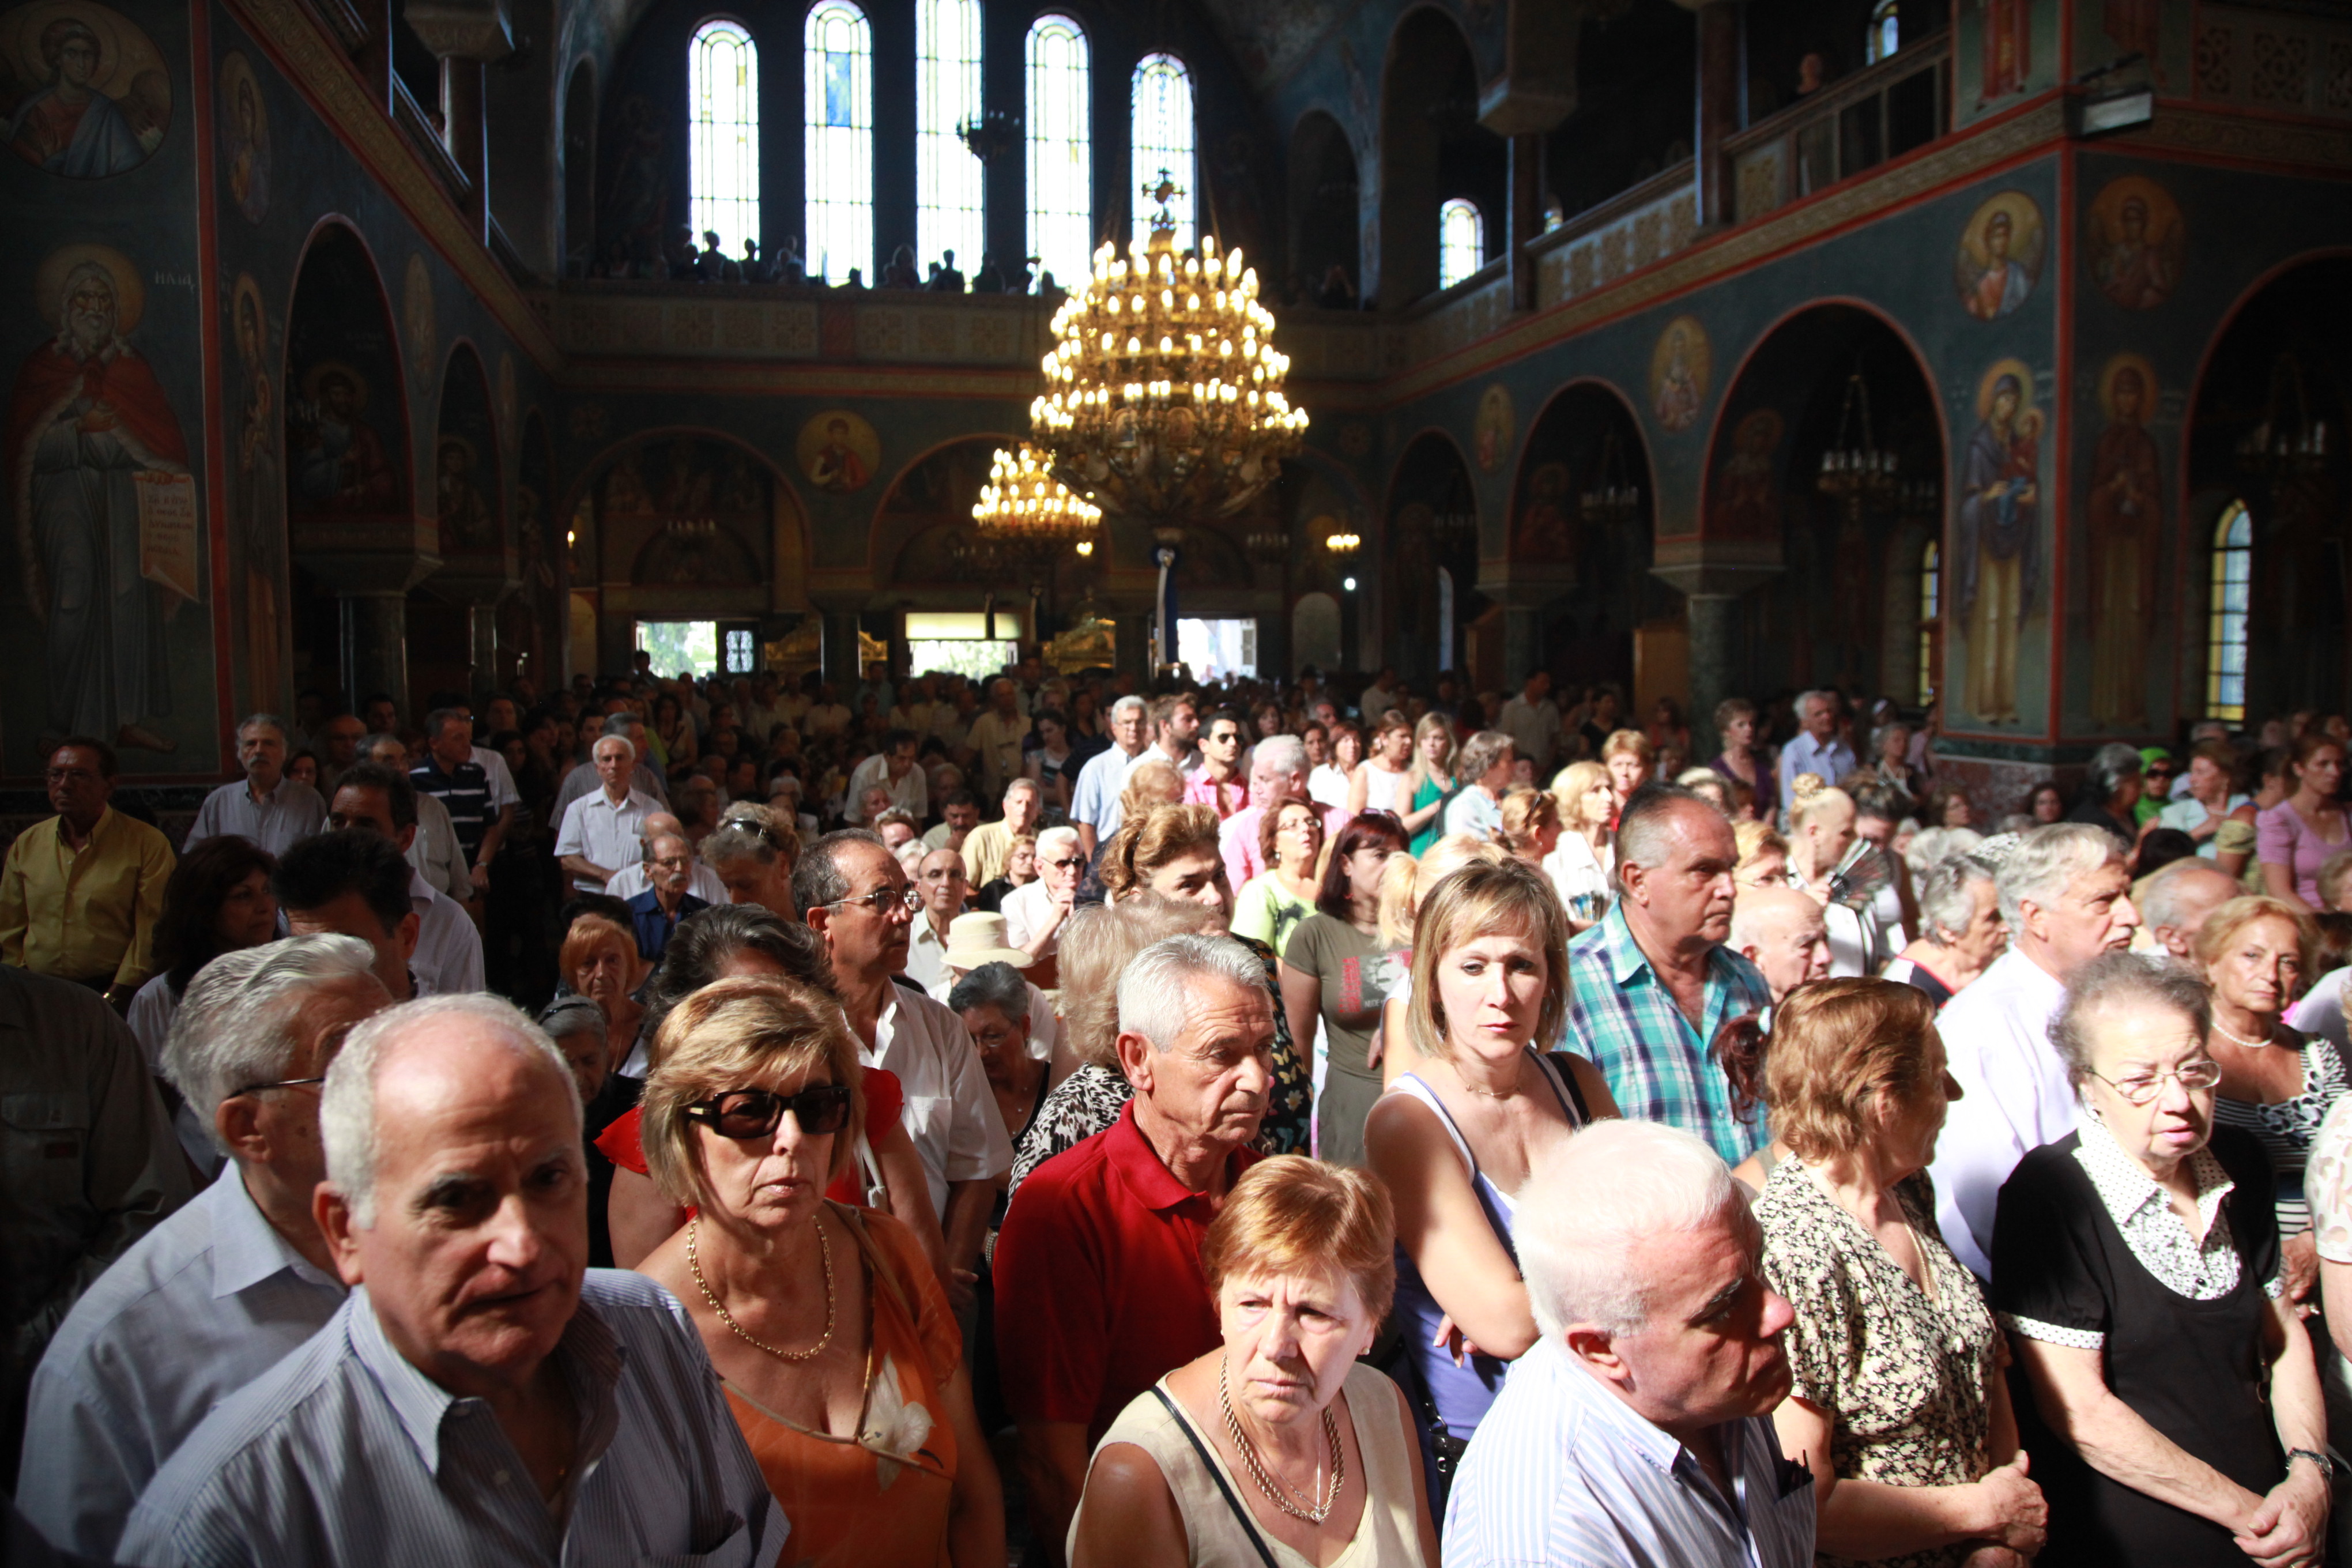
(1784,934)
(2068,898)
(270,809)
(230,1285)
(987,848)
(939,878)
(1099,1288)
(481,1396)
(1639,1427)
(2174,901)
(1094,800)
(587,778)
(1277,776)
(632,878)
(604,831)
(1035,911)
(1816,748)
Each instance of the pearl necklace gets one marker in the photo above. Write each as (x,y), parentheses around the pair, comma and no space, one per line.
(825,1250)
(2240,1041)
(1315,1513)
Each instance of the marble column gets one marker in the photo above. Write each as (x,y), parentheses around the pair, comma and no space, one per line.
(841,651)
(1709,617)
(375,644)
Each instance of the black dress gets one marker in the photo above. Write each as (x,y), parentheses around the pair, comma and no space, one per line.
(2193,1370)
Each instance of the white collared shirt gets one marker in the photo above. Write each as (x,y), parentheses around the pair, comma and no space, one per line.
(205,1302)
(2015,1096)
(927,953)
(605,832)
(448,955)
(951,1114)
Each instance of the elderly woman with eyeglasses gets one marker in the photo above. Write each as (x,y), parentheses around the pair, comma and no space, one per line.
(1281,1440)
(1034,914)
(839,1355)
(2176,1415)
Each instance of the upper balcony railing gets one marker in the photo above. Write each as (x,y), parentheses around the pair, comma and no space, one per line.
(1894,107)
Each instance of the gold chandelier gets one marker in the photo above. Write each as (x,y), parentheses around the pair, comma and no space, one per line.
(1163,392)
(1024,510)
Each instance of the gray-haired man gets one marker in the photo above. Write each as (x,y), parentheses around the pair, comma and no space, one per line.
(265,805)
(230,1285)
(481,1398)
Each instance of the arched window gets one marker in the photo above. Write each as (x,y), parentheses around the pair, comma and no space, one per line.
(1931,609)
(1461,242)
(1885,34)
(948,178)
(1161,129)
(838,48)
(1061,150)
(2225,621)
(723,83)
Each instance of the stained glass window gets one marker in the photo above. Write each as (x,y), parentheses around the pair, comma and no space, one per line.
(1931,606)
(948,178)
(1162,130)
(723,100)
(2225,622)
(838,49)
(1061,150)
(1461,242)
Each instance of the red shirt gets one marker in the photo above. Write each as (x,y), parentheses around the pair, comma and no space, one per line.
(1098,1284)
(623,1142)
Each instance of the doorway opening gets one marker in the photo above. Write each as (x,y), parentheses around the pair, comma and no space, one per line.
(965,643)
(1218,649)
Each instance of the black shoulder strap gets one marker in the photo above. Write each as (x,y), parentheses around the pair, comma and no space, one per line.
(1582,1114)
(1208,1462)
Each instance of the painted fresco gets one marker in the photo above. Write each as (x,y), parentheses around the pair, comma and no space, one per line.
(1679,370)
(686,510)
(2127,523)
(2000,256)
(83,90)
(2107,31)
(838,451)
(2003,52)
(2135,241)
(466,463)
(257,492)
(244,138)
(1999,554)
(1744,498)
(1495,429)
(347,451)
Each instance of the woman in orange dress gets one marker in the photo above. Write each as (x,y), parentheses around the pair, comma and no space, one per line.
(836,1348)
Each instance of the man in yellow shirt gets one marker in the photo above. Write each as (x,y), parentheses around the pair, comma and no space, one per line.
(80,893)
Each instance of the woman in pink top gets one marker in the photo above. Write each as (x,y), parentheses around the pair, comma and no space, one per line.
(2295,838)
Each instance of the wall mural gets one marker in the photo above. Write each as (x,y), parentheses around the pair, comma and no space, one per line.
(1496,428)
(108,524)
(347,452)
(2110,30)
(244,138)
(2000,535)
(2136,242)
(2000,254)
(83,90)
(466,463)
(1680,367)
(258,491)
(1743,500)
(2003,51)
(1545,533)
(2127,535)
(686,510)
(417,318)
(838,452)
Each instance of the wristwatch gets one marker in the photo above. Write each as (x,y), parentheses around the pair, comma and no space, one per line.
(2326,1466)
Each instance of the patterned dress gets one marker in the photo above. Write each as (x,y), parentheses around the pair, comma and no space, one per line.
(2286,1129)
(1904,1379)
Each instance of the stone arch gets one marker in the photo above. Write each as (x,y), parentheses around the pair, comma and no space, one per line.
(1582,535)
(926,509)
(469,493)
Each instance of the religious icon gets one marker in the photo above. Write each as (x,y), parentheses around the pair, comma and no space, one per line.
(2001,254)
(2007,48)
(468,525)
(339,460)
(1497,425)
(106,528)
(416,312)
(1679,368)
(257,495)
(1746,500)
(83,92)
(2137,242)
(839,452)
(625,487)
(2126,518)
(2000,535)
(244,136)
(1544,533)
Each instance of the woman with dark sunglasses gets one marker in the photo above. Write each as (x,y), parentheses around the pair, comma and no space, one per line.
(839,1355)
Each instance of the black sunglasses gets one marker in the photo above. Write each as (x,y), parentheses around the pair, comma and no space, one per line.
(757,1113)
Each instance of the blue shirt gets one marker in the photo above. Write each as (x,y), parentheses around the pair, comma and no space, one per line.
(1095,798)
(654,926)
(1804,754)
(1562,1471)
(1622,1018)
(289,814)
(203,1304)
(345,1454)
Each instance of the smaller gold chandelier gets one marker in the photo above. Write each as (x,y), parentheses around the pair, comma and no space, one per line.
(1343,542)
(1026,512)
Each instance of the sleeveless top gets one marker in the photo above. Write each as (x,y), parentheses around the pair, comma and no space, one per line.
(2286,1129)
(1462,1393)
(1387,1536)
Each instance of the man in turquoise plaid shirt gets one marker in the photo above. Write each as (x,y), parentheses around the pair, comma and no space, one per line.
(1654,981)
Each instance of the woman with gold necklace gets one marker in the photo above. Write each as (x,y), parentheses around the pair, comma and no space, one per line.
(1279,1447)
(2276,1083)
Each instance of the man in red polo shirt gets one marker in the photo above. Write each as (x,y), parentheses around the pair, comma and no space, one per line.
(1098,1283)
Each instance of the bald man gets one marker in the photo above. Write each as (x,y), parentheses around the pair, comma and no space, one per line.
(631,879)
(2175,903)
(1782,932)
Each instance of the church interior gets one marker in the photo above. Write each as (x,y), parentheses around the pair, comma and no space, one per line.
(1988,354)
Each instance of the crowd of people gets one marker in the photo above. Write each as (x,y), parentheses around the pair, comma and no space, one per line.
(644,256)
(1039,1119)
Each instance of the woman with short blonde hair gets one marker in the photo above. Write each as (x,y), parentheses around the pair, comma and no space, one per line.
(1300,1262)
(1631,761)
(1897,1404)
(1583,863)
(1531,825)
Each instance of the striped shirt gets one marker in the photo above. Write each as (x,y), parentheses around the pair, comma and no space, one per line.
(466,791)
(1563,1471)
(345,1454)
(1623,1019)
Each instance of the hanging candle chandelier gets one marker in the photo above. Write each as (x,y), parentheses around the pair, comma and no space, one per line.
(1163,392)
(1026,514)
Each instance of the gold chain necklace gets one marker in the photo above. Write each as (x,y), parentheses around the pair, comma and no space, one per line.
(1314,1513)
(825,1250)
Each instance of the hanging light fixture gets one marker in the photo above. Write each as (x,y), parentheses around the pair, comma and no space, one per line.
(1027,515)
(1343,543)
(2289,443)
(1855,468)
(1615,499)
(1163,392)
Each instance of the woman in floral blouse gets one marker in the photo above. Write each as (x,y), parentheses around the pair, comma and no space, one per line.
(1896,1400)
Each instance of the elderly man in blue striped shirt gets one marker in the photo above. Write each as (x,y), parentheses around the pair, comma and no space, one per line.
(482,1397)
(1638,1431)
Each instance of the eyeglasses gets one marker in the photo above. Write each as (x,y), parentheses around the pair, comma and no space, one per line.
(2137,1090)
(882,901)
(1065,863)
(758,1112)
(282,1083)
